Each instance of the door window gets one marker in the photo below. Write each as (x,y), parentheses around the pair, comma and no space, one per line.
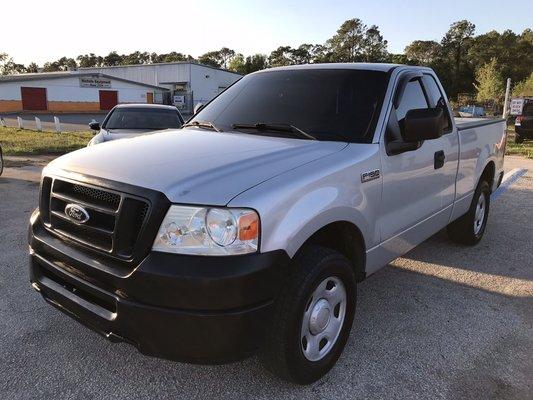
(413,98)
(437,100)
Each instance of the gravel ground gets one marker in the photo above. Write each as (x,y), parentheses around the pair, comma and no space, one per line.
(442,322)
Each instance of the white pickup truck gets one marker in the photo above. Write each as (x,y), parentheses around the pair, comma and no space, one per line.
(250,228)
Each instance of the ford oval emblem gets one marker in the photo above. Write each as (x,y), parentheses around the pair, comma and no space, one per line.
(77,213)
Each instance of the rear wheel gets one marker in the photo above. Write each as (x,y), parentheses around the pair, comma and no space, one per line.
(469,228)
(313,317)
(518,138)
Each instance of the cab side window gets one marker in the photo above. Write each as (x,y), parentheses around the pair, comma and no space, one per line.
(413,98)
(437,100)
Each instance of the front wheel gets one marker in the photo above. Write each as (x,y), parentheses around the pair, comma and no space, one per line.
(312,318)
(469,228)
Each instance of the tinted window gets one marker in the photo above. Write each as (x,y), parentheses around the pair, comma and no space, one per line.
(413,98)
(437,99)
(320,102)
(528,110)
(143,118)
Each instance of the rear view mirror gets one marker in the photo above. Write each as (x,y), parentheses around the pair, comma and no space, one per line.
(95,126)
(198,107)
(423,124)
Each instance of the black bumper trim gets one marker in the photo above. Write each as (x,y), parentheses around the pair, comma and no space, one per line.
(187,308)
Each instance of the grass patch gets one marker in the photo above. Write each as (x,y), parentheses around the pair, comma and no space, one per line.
(16,141)
(524,149)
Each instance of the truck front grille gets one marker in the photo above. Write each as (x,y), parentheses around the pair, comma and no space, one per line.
(115,220)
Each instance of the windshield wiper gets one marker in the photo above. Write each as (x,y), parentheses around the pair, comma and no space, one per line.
(201,124)
(328,136)
(276,128)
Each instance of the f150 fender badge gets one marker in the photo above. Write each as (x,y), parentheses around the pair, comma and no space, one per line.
(370,175)
(76,213)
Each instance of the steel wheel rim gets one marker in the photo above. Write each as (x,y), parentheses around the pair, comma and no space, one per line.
(323,318)
(479,217)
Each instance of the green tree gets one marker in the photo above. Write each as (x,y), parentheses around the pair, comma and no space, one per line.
(355,42)
(374,46)
(32,68)
(525,87)
(112,59)
(170,57)
(254,63)
(458,74)
(136,58)
(423,52)
(514,53)
(237,64)
(210,58)
(347,44)
(8,66)
(218,58)
(302,54)
(63,64)
(89,60)
(489,84)
(280,57)
(225,55)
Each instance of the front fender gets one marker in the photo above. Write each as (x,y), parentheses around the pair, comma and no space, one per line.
(296,204)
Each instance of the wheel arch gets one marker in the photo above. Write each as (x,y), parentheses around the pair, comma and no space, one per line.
(346,238)
(488,174)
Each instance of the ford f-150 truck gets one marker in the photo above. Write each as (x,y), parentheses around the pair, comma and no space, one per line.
(250,229)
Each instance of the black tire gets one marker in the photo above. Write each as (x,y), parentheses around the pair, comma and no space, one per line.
(518,138)
(1,162)
(282,352)
(463,230)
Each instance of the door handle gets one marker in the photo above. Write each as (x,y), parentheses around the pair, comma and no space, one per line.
(439,159)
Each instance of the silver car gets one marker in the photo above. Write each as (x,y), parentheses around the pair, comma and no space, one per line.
(129,120)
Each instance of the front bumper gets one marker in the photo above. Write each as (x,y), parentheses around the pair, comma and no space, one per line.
(189,308)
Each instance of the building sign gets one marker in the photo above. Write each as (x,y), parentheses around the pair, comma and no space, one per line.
(179,101)
(95,82)
(516,106)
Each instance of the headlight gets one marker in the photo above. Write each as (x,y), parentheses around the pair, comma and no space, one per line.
(208,231)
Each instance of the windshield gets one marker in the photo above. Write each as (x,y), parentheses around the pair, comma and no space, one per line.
(143,118)
(325,103)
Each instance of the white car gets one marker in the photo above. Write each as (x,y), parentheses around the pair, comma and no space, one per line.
(129,120)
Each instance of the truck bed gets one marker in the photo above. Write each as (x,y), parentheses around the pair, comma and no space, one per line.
(467,123)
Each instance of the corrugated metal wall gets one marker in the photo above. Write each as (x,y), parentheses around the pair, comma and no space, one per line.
(154,74)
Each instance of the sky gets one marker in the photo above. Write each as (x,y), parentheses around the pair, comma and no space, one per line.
(41,30)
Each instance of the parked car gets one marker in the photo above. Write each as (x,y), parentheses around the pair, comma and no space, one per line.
(129,120)
(523,125)
(251,229)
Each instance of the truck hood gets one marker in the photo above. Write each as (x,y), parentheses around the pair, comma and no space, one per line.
(191,165)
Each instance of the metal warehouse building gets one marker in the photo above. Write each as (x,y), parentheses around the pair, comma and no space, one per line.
(189,83)
(76,91)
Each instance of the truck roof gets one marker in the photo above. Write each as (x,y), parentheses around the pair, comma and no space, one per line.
(362,66)
(357,66)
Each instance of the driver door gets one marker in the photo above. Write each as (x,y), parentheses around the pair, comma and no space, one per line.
(414,179)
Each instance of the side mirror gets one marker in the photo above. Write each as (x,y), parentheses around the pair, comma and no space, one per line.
(95,126)
(423,124)
(198,107)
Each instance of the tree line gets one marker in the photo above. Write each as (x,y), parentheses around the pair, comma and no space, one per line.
(467,64)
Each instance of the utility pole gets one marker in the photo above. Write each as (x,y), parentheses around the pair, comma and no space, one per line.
(506,101)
